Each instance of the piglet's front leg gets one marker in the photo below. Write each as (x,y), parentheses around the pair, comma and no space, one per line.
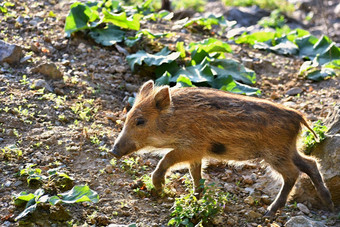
(170,159)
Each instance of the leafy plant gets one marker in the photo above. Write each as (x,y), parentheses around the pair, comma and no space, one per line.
(276,19)
(188,210)
(310,141)
(79,193)
(282,5)
(322,54)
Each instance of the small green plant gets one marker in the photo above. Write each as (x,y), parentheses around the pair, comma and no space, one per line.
(132,165)
(275,20)
(79,193)
(310,141)
(190,211)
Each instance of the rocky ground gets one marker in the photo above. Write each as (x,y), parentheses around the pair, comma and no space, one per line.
(62,105)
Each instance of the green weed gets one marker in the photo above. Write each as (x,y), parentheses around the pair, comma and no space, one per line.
(191,211)
(310,141)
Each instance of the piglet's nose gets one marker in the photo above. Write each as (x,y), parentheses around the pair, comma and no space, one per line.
(115,152)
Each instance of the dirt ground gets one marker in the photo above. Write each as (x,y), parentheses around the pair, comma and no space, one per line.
(74,125)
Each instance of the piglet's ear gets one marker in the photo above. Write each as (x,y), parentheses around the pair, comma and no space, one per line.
(147,88)
(162,98)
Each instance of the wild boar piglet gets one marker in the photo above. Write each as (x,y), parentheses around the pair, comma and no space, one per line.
(203,123)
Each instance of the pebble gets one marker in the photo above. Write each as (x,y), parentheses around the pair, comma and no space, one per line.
(253,214)
(39,84)
(18,183)
(1,140)
(265,199)
(248,180)
(303,208)
(120,69)
(109,169)
(10,53)
(8,183)
(294,91)
(249,200)
(48,69)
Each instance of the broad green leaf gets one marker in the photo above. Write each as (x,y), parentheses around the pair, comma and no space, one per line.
(75,195)
(335,64)
(207,22)
(164,79)
(80,17)
(171,67)
(151,35)
(23,196)
(184,81)
(121,19)
(162,57)
(306,46)
(130,41)
(228,84)
(256,37)
(283,46)
(211,45)
(180,48)
(107,36)
(200,73)
(27,210)
(322,74)
(229,67)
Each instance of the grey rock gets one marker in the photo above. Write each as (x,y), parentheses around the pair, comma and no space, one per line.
(39,84)
(294,91)
(303,208)
(48,69)
(8,183)
(246,16)
(1,140)
(18,183)
(10,53)
(302,221)
(26,58)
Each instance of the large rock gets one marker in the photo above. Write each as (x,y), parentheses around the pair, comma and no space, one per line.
(10,53)
(302,221)
(48,69)
(328,154)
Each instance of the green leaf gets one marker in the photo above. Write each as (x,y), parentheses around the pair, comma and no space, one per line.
(228,84)
(283,46)
(211,45)
(121,20)
(162,57)
(229,67)
(132,40)
(75,195)
(164,79)
(180,48)
(107,36)
(184,81)
(306,46)
(256,37)
(27,210)
(322,74)
(79,18)
(200,73)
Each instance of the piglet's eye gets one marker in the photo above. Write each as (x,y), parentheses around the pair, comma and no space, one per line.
(140,121)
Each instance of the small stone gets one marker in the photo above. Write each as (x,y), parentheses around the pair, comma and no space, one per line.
(302,221)
(48,69)
(265,199)
(274,96)
(294,91)
(1,140)
(253,214)
(303,208)
(249,200)
(248,180)
(120,69)
(131,88)
(18,183)
(109,169)
(10,53)
(8,183)
(25,59)
(81,47)
(39,84)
